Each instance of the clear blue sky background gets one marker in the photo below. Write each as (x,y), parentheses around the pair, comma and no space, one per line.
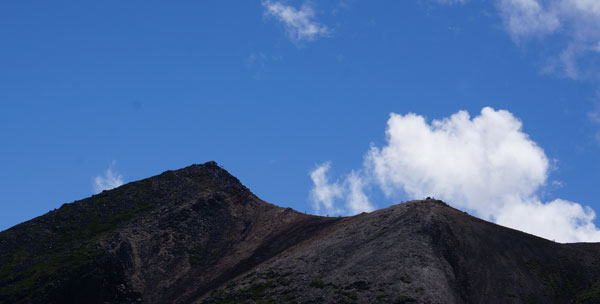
(157,85)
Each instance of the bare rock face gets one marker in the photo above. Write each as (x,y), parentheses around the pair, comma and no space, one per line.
(197,235)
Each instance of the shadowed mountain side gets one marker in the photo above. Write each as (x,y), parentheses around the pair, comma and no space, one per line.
(197,235)
(162,239)
(425,252)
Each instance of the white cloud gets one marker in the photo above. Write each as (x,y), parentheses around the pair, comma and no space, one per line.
(109,180)
(485,164)
(594,115)
(467,161)
(450,1)
(527,18)
(324,193)
(299,23)
(559,220)
(575,22)
(357,201)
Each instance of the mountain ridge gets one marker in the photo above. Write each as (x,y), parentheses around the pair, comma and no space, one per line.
(197,235)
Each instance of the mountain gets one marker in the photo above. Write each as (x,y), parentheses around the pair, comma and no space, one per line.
(197,235)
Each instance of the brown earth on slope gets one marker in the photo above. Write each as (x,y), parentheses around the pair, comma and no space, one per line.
(197,235)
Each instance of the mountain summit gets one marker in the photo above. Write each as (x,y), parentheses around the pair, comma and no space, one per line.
(197,235)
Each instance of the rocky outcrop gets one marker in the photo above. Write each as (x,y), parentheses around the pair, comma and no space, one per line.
(197,235)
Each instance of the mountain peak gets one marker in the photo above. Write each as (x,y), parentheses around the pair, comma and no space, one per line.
(197,235)
(209,165)
(210,170)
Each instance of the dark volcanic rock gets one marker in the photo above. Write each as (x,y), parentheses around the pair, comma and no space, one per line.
(197,235)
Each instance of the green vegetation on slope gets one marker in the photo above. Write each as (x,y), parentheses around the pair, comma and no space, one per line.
(38,257)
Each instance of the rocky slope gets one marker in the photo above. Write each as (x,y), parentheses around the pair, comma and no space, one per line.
(197,235)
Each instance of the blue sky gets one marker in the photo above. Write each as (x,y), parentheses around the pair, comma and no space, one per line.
(272,90)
